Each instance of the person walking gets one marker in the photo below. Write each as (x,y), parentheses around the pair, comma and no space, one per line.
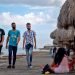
(29,40)
(2,33)
(13,39)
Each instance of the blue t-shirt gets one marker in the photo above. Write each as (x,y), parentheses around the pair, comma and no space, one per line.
(13,37)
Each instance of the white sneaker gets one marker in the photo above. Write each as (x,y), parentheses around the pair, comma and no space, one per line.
(31,67)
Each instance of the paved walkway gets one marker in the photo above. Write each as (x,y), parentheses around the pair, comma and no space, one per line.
(39,59)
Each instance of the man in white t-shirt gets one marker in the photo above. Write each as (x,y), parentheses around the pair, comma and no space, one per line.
(29,40)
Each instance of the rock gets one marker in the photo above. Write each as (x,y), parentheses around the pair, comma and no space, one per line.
(53,34)
(65,31)
(67,15)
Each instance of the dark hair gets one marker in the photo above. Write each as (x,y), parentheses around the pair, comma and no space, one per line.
(59,55)
(28,24)
(12,23)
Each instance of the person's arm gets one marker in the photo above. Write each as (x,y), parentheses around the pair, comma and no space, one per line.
(2,40)
(23,42)
(35,42)
(3,33)
(18,40)
(7,42)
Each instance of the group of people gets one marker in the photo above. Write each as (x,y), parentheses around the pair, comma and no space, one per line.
(60,64)
(12,41)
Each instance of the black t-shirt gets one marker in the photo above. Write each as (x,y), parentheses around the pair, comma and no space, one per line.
(2,33)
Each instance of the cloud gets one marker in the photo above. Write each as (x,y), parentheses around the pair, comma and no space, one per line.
(36,19)
(34,2)
(40,18)
(62,2)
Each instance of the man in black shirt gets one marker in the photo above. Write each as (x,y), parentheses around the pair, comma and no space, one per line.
(2,33)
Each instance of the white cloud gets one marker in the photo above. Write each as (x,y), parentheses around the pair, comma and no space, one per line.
(34,2)
(6,18)
(62,1)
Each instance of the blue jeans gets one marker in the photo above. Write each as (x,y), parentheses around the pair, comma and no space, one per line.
(12,49)
(29,52)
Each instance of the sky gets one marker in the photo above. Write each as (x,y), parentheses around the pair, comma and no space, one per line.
(42,14)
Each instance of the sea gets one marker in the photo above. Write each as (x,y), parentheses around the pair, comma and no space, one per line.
(20,51)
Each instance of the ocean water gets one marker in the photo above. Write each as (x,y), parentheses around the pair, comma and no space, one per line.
(20,51)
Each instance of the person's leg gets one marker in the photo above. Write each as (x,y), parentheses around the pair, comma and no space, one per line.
(27,57)
(30,55)
(14,55)
(68,52)
(47,68)
(10,56)
(53,53)
(0,49)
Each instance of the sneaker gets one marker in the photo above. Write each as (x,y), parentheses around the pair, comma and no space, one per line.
(13,67)
(31,67)
(9,66)
(28,66)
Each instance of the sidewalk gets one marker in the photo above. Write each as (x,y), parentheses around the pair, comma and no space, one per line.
(39,59)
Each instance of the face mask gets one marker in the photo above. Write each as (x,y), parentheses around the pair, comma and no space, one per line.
(13,28)
(28,28)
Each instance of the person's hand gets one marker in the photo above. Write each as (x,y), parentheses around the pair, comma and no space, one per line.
(17,43)
(35,47)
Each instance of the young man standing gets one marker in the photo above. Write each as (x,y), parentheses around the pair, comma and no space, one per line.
(29,40)
(13,39)
(2,33)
